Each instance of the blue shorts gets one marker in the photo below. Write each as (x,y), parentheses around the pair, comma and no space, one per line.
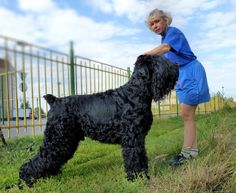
(192,87)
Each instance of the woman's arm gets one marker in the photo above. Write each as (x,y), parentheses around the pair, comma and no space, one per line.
(159,50)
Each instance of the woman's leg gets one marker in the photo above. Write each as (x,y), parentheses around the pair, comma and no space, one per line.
(190,135)
(190,131)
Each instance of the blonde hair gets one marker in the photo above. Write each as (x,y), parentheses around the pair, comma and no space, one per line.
(166,16)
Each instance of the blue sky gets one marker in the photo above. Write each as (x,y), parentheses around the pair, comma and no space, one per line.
(114,31)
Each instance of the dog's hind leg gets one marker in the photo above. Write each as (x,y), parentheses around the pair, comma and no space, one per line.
(135,159)
(59,144)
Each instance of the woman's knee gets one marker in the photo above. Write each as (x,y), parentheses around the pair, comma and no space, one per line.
(187,116)
(188,112)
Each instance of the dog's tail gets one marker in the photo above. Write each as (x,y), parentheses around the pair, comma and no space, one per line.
(50,99)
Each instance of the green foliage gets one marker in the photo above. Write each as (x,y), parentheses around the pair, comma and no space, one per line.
(27,105)
(99,168)
(227,107)
(37,110)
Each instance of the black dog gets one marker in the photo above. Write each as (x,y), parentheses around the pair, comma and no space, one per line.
(120,116)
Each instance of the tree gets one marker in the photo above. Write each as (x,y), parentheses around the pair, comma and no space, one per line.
(27,105)
(37,110)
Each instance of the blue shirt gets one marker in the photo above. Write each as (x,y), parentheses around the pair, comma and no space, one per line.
(180,52)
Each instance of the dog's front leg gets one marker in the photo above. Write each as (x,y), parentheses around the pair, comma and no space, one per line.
(135,161)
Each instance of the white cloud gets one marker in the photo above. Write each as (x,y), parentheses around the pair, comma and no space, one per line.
(36,6)
(232,54)
(218,19)
(137,10)
(17,26)
(134,10)
(63,25)
(218,36)
(221,75)
(104,5)
(208,5)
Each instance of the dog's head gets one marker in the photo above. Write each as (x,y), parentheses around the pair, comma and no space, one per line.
(161,73)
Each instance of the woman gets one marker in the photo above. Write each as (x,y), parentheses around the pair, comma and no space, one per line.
(191,88)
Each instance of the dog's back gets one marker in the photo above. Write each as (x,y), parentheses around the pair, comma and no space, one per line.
(105,117)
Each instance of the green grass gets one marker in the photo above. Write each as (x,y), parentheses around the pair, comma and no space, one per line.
(98,168)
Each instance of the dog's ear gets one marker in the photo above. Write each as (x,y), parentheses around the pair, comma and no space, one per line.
(50,99)
(164,77)
(142,67)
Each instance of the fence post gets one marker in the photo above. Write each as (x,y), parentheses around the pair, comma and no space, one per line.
(2,100)
(177,106)
(128,72)
(159,109)
(214,103)
(72,71)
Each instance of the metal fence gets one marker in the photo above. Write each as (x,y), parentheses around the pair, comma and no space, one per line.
(27,72)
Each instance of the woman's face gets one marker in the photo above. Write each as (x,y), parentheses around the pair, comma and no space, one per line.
(158,25)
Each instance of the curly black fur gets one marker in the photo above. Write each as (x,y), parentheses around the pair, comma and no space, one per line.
(120,116)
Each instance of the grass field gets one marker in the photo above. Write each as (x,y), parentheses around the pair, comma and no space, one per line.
(98,168)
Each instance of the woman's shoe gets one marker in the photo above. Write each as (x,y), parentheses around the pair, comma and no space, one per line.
(178,160)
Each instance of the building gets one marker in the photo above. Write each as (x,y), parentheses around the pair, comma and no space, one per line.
(6,89)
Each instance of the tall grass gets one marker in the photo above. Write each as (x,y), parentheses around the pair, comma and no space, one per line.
(98,168)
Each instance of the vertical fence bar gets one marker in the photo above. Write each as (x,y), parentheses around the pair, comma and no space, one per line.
(51,71)
(81,79)
(109,78)
(24,85)
(120,79)
(39,93)
(76,77)
(7,85)
(115,75)
(210,105)
(222,101)
(2,99)
(123,78)
(98,80)
(32,90)
(16,90)
(159,109)
(63,77)
(68,75)
(214,103)
(112,78)
(94,77)
(72,73)
(105,78)
(45,81)
(90,77)
(86,79)
(177,106)
(58,82)
(128,72)
(102,85)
